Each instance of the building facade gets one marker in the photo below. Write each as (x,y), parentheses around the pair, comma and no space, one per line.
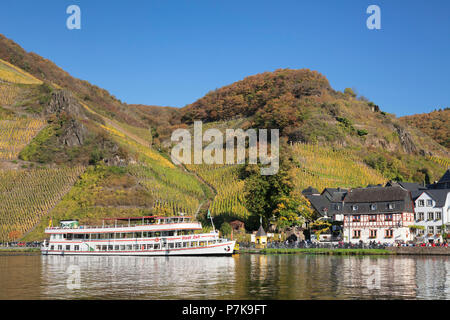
(380,214)
(432,215)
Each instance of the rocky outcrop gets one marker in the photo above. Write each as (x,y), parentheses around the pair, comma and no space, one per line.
(74,133)
(62,101)
(63,104)
(405,139)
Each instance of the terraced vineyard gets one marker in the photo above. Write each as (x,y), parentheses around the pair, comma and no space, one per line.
(12,74)
(15,134)
(8,94)
(171,189)
(229,199)
(28,195)
(323,167)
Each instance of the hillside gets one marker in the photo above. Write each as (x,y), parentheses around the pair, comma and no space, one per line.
(70,150)
(434,124)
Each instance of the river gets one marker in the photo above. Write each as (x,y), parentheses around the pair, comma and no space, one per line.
(244,276)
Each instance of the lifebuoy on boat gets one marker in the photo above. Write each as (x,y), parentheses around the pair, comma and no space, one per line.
(157,240)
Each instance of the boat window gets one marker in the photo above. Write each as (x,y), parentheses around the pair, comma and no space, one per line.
(194,244)
(122,247)
(129,247)
(171,245)
(171,233)
(129,235)
(178,245)
(52,247)
(149,246)
(116,248)
(156,234)
(185,244)
(60,247)
(156,247)
(67,247)
(138,235)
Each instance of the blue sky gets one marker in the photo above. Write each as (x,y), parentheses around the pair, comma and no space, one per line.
(172,52)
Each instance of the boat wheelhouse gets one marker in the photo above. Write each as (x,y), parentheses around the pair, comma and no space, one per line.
(140,236)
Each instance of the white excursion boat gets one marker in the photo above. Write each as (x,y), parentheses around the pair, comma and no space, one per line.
(143,236)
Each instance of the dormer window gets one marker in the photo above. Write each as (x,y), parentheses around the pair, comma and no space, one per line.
(373,207)
(337,207)
(421,203)
(391,206)
(354,208)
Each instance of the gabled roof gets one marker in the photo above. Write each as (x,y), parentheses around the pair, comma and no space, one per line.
(438,195)
(310,190)
(445,177)
(410,186)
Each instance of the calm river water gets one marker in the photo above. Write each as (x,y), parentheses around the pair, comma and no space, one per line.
(239,277)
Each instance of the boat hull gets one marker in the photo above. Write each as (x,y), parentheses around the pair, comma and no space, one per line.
(222,249)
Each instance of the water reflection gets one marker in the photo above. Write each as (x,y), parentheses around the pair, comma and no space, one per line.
(237,277)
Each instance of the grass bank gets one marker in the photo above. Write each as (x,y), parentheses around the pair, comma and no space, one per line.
(321,251)
(4,250)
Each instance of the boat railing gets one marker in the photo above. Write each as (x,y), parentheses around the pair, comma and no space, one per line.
(120,226)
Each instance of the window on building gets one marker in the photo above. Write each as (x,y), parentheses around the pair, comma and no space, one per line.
(373,207)
(372,217)
(420,216)
(388,217)
(373,234)
(337,207)
(389,233)
(356,218)
(429,203)
(421,203)
(356,234)
(430,216)
(391,206)
(438,229)
(431,229)
(354,208)
(438,215)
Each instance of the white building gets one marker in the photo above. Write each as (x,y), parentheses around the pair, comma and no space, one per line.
(432,212)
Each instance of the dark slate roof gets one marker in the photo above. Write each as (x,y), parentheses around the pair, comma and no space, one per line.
(410,186)
(319,202)
(261,232)
(310,190)
(438,195)
(338,196)
(376,194)
(445,177)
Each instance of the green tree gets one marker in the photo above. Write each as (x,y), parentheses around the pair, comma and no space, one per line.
(262,193)
(225,229)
